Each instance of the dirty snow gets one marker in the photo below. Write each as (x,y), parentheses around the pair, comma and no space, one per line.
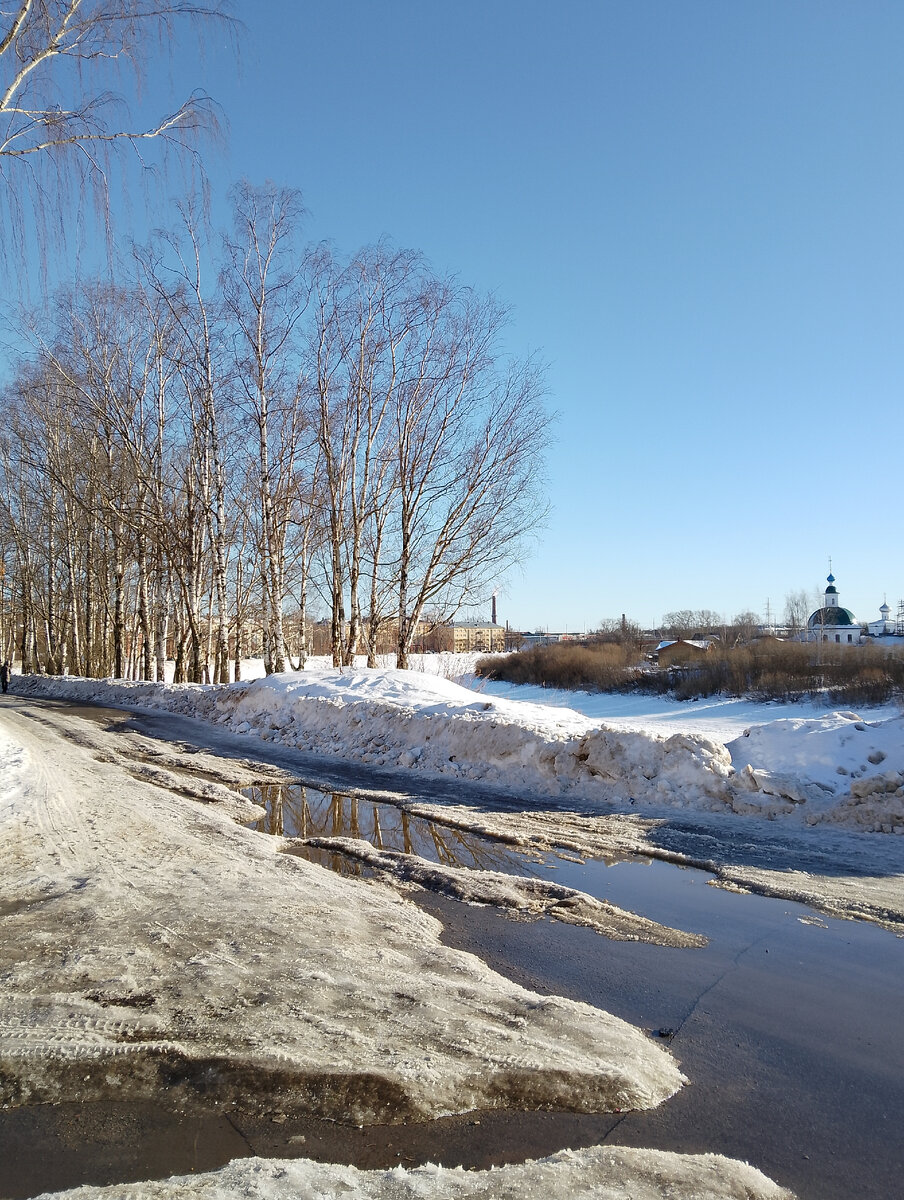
(841,874)
(526,897)
(597,1173)
(153,945)
(156,947)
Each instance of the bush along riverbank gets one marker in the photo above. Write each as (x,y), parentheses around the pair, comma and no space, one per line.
(848,675)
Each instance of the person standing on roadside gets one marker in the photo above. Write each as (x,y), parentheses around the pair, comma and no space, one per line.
(5,673)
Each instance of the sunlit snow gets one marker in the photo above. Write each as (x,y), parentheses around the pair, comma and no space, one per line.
(154,941)
(841,768)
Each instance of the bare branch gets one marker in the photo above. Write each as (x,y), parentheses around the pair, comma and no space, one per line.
(56,109)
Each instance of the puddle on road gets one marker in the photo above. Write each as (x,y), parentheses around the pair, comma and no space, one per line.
(356,835)
(678,897)
(298,811)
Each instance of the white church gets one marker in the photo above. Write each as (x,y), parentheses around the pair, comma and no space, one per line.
(885,626)
(834,623)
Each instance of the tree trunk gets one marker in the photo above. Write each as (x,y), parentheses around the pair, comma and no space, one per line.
(144,617)
(162,621)
(404,637)
(28,649)
(118,605)
(74,636)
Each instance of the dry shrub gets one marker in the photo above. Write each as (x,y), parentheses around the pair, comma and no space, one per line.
(845,675)
(786,671)
(602,667)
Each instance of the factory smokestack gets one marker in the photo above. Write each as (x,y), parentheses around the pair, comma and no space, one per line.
(494,608)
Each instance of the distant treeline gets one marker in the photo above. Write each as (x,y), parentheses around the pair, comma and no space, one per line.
(764,671)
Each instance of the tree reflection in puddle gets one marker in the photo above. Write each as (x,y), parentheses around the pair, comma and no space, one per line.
(362,837)
(297,811)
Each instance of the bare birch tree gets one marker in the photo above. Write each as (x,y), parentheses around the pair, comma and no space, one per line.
(100,359)
(798,606)
(179,285)
(393,445)
(265,292)
(470,438)
(330,340)
(23,529)
(364,317)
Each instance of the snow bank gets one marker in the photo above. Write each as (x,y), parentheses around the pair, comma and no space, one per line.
(836,768)
(410,719)
(600,1172)
(831,768)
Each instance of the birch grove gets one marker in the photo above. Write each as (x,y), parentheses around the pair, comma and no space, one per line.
(285,453)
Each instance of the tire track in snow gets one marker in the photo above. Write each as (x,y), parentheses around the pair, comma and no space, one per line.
(115,860)
(62,813)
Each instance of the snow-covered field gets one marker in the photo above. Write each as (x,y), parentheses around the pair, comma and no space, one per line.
(130,963)
(722,718)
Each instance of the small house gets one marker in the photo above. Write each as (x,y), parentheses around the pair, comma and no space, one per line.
(681,652)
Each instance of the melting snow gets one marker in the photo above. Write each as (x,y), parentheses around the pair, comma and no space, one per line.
(834,768)
(598,1173)
(130,965)
(526,897)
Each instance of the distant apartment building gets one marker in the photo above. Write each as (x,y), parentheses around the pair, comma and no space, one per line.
(462,637)
(528,640)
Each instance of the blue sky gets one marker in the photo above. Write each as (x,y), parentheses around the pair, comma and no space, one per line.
(693,208)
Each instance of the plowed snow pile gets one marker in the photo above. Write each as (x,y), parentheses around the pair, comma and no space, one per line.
(838,768)
(835,768)
(599,1173)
